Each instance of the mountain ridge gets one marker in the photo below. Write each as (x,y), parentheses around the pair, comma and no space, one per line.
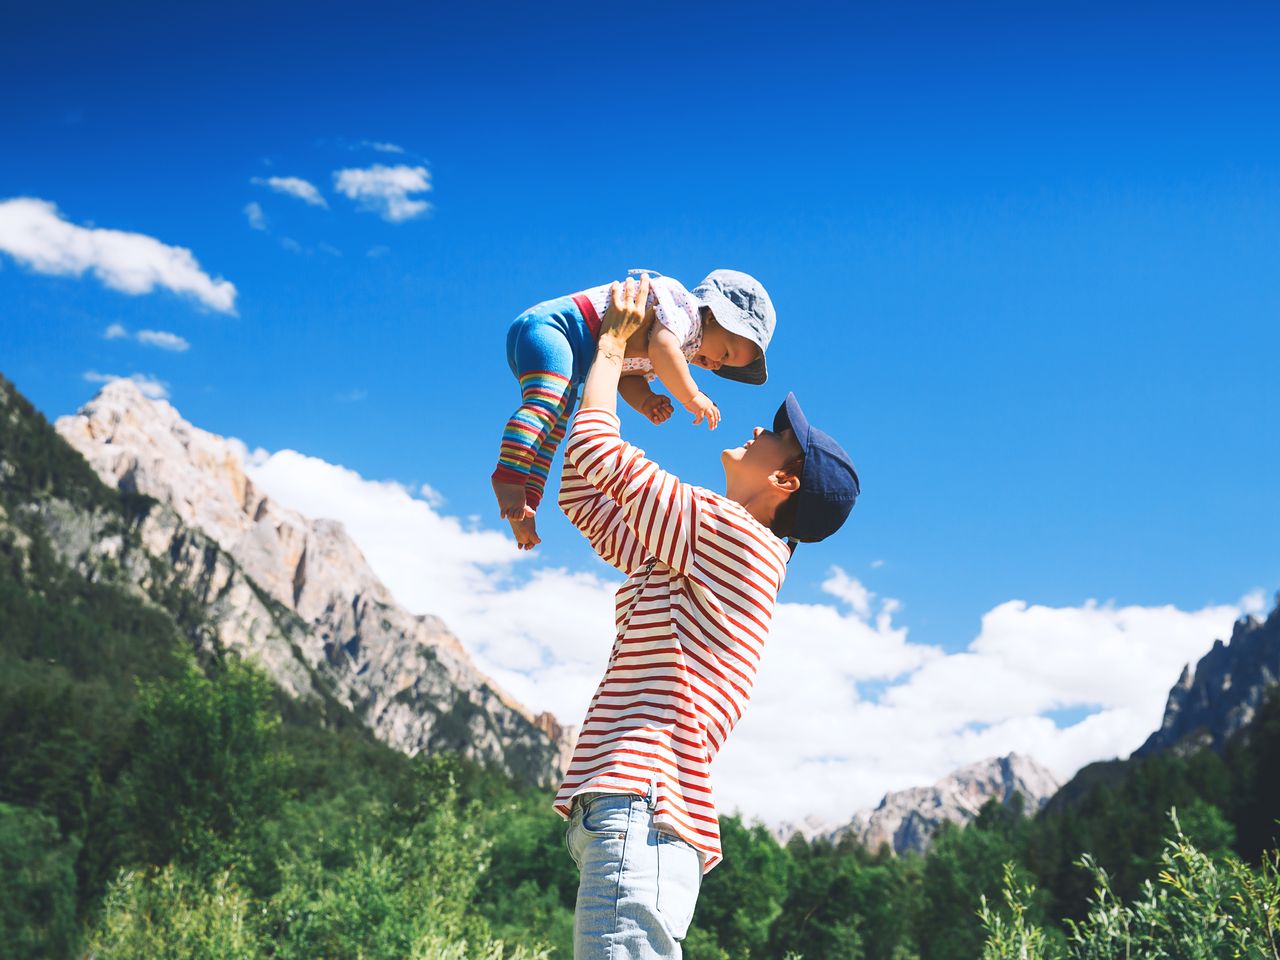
(907,820)
(1224,692)
(406,676)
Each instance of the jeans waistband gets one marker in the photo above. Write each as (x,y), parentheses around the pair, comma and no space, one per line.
(582,799)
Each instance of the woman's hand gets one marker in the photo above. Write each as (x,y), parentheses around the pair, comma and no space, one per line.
(627,312)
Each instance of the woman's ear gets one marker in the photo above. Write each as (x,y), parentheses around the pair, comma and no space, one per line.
(784,481)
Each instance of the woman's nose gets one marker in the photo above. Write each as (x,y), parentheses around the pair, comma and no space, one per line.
(756,432)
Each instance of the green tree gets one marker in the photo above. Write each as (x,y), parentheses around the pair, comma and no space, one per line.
(206,769)
(742,897)
(963,866)
(37,886)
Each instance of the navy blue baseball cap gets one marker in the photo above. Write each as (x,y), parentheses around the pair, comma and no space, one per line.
(829,484)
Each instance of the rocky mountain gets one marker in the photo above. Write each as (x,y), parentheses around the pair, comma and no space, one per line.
(1224,693)
(907,820)
(295,593)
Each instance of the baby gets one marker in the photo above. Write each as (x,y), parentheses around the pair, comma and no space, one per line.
(724,326)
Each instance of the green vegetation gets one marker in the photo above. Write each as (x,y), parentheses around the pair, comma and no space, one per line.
(158,797)
(1200,907)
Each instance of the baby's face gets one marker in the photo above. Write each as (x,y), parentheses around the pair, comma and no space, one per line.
(720,348)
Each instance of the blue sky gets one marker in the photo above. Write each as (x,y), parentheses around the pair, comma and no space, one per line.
(1023,259)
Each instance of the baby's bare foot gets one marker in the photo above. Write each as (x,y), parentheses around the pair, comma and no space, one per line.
(511,499)
(526,531)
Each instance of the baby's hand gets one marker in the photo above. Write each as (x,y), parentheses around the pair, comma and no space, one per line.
(657,407)
(702,406)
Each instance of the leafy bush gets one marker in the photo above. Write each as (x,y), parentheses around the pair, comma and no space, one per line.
(172,913)
(1201,907)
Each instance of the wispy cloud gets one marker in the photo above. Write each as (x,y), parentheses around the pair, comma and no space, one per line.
(150,386)
(293,187)
(382,146)
(150,338)
(433,496)
(164,340)
(351,396)
(386,191)
(845,707)
(253,212)
(35,234)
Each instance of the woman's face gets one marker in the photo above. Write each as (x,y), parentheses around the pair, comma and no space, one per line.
(752,463)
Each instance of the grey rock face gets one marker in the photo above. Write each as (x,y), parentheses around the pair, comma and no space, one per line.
(406,676)
(238,616)
(1224,693)
(907,820)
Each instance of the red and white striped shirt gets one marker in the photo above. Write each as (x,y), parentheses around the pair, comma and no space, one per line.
(692,617)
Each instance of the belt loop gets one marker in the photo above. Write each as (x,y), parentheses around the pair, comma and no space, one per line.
(652,796)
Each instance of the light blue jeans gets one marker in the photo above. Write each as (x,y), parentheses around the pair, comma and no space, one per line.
(638,885)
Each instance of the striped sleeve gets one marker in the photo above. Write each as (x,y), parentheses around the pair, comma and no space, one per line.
(634,510)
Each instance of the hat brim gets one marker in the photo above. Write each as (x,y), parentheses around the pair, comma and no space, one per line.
(754,373)
(728,315)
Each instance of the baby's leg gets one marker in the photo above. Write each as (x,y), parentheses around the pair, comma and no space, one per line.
(543,361)
(546,452)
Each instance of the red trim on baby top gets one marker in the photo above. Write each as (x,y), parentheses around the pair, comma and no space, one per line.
(588,310)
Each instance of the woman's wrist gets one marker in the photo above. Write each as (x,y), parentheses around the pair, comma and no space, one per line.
(612,346)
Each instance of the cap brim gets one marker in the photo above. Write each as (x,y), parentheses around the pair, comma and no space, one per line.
(790,416)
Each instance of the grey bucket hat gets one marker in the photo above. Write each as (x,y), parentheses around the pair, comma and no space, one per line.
(740,305)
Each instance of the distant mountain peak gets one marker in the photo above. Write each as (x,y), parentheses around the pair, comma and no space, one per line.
(1223,694)
(908,819)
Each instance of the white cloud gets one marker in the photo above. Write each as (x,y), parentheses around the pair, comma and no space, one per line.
(845,706)
(257,219)
(34,234)
(150,338)
(850,590)
(1254,602)
(811,724)
(293,187)
(433,496)
(383,146)
(290,244)
(351,396)
(386,191)
(164,340)
(150,386)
